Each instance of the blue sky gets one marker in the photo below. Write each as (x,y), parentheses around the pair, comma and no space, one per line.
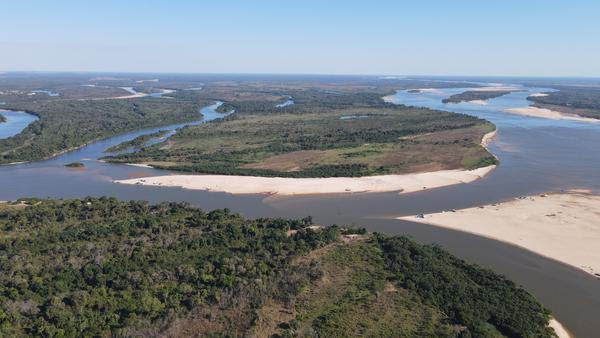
(453,37)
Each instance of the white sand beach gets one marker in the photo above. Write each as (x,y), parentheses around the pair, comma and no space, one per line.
(538,95)
(561,226)
(389,98)
(141,165)
(479,102)
(559,329)
(548,114)
(431,90)
(488,138)
(306,186)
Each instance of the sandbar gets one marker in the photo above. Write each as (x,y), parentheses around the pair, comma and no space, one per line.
(307,186)
(562,226)
(548,114)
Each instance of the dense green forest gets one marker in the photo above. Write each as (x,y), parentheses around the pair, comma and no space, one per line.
(473,95)
(101,267)
(65,125)
(323,134)
(583,101)
(136,142)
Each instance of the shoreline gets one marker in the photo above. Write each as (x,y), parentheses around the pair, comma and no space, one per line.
(545,113)
(488,138)
(559,226)
(559,329)
(64,151)
(479,102)
(284,186)
(134,94)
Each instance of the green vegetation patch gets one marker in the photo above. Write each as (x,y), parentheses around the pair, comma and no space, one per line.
(355,297)
(75,165)
(101,267)
(473,95)
(97,267)
(136,142)
(315,139)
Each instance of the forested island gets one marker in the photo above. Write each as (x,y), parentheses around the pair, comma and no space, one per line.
(578,100)
(67,124)
(2,118)
(136,142)
(75,165)
(476,95)
(347,133)
(102,267)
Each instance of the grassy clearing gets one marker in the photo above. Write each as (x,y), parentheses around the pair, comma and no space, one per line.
(355,298)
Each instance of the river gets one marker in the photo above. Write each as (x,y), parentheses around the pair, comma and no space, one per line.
(15,122)
(536,155)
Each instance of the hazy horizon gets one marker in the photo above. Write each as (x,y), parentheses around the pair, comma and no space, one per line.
(430,38)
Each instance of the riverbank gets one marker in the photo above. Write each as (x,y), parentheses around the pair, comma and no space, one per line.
(548,114)
(559,329)
(561,226)
(479,102)
(308,186)
(488,138)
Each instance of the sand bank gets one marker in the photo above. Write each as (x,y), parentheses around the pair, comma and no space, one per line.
(141,165)
(306,186)
(548,114)
(389,98)
(560,330)
(478,102)
(488,138)
(561,226)
(431,90)
(538,95)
